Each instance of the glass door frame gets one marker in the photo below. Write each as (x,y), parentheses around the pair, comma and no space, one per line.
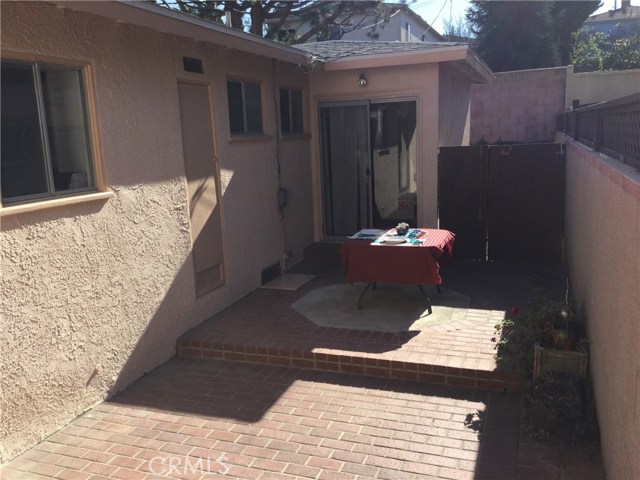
(347,103)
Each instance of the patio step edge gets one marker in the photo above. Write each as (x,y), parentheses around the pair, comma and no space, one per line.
(354,364)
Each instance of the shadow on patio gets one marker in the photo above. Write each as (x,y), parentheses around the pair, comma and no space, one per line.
(264,327)
(208,418)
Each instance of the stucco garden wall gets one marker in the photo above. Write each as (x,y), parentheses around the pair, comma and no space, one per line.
(594,87)
(455,93)
(95,294)
(420,82)
(518,106)
(603,243)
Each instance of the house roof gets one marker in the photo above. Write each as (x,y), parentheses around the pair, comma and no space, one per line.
(349,55)
(391,9)
(622,14)
(338,54)
(407,10)
(146,14)
(335,49)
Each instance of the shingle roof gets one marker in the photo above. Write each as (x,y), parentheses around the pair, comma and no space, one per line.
(335,49)
(628,13)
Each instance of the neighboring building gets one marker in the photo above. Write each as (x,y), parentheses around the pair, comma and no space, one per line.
(625,19)
(142,155)
(394,22)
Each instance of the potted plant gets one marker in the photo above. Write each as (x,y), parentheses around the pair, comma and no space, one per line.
(548,338)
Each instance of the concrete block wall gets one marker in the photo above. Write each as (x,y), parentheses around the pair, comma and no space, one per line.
(518,106)
(602,228)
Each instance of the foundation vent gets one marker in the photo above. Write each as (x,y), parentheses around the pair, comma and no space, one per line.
(192,65)
(271,272)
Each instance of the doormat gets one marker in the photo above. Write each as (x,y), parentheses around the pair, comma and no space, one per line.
(288,281)
(389,308)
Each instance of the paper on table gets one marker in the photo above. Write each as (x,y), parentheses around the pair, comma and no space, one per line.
(367,234)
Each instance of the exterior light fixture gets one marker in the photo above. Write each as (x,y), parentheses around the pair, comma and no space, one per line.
(362,81)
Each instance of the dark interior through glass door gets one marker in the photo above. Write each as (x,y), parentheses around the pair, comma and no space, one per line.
(368,166)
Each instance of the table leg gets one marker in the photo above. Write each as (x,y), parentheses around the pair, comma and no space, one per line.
(366,289)
(428,299)
(438,289)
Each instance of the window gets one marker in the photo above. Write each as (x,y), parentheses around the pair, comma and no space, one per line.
(245,109)
(291,111)
(46,146)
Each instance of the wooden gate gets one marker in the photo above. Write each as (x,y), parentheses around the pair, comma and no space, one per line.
(504,202)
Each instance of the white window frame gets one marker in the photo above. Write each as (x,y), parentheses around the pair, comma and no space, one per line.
(244,107)
(290,112)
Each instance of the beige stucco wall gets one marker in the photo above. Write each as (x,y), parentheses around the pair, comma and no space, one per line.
(94,295)
(594,87)
(519,106)
(420,82)
(295,173)
(455,94)
(602,226)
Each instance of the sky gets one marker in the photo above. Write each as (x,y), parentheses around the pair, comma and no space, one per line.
(434,11)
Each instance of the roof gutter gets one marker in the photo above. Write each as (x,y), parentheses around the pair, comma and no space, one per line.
(144,14)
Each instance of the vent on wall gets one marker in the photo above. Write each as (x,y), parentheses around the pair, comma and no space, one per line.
(192,65)
(271,272)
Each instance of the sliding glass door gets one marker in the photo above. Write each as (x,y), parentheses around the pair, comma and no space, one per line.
(344,137)
(368,152)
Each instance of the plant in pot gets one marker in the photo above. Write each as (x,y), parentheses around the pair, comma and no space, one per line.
(549,337)
(547,343)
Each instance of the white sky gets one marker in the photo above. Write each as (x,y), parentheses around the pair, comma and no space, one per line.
(434,11)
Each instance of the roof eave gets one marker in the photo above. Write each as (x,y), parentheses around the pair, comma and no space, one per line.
(165,20)
(395,59)
(478,71)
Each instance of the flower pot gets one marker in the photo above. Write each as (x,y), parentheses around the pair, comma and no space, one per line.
(550,360)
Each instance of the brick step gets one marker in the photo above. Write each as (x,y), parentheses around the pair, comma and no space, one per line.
(353,362)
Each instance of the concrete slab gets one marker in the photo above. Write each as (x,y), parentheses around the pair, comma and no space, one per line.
(389,308)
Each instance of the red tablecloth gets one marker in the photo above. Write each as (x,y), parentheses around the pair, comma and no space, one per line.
(404,264)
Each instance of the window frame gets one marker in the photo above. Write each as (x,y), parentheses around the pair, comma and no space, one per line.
(245,132)
(95,171)
(291,132)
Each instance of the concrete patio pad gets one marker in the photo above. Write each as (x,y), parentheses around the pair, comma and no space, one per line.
(389,308)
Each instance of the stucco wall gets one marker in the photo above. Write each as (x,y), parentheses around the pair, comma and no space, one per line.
(594,87)
(455,93)
(95,294)
(420,82)
(603,243)
(295,173)
(518,106)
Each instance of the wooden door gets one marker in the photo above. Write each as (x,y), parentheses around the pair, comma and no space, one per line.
(203,186)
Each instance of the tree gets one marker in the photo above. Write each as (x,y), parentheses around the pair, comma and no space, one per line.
(526,34)
(598,51)
(568,18)
(267,18)
(456,30)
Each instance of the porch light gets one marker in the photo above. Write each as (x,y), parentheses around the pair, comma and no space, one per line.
(362,81)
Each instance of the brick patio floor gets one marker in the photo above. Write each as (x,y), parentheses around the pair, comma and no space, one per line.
(265,421)
(260,392)
(264,328)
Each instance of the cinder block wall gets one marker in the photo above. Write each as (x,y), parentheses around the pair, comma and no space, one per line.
(518,106)
(602,226)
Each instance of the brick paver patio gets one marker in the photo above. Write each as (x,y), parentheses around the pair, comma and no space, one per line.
(264,328)
(260,392)
(263,422)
